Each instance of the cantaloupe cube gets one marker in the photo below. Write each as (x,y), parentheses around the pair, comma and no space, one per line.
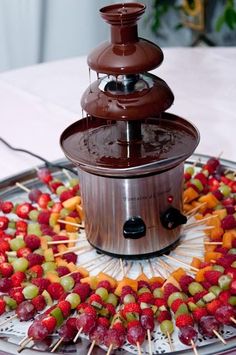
(212,255)
(70,228)
(156,279)
(196,262)
(103,276)
(84,272)
(189,195)
(71,203)
(52,277)
(91,280)
(173,281)
(61,248)
(126,281)
(44,243)
(210,199)
(142,277)
(60,261)
(80,211)
(199,277)
(222,213)
(178,273)
(72,267)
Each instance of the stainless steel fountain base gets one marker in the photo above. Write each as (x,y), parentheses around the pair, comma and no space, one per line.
(113,205)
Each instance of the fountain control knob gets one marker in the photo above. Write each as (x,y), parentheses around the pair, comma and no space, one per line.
(172,218)
(134,228)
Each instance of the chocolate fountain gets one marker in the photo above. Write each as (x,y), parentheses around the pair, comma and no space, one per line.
(130,153)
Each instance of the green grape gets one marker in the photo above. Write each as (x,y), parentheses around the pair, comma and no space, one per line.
(49,266)
(224,282)
(112,299)
(60,189)
(30,292)
(194,288)
(12,225)
(17,243)
(129,299)
(73,182)
(34,228)
(158,293)
(232,300)
(218,268)
(64,212)
(232,251)
(190,170)
(20,264)
(167,327)
(182,309)
(33,215)
(102,292)
(10,302)
(225,190)
(74,300)
(174,296)
(67,282)
(197,183)
(142,290)
(215,289)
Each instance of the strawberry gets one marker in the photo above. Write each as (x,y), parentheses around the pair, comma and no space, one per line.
(160,302)
(175,304)
(169,289)
(44,175)
(32,241)
(199,295)
(36,271)
(62,270)
(133,323)
(56,290)
(65,307)
(199,312)
(104,322)
(16,294)
(50,323)
(71,322)
(43,217)
(83,290)
(21,226)
(95,298)
(106,284)
(4,246)
(142,283)
(39,302)
(65,195)
(155,285)
(184,282)
(70,257)
(212,276)
(23,252)
(4,223)
(43,200)
(163,315)
(23,210)
(146,297)
(17,278)
(90,310)
(41,283)
(2,306)
(35,259)
(224,297)
(6,269)
(213,305)
(6,206)
(183,320)
(147,312)
(131,308)
(111,309)
(120,327)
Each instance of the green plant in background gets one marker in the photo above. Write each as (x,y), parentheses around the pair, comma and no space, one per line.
(228,16)
(161,7)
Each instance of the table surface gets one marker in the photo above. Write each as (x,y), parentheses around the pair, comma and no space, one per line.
(37,103)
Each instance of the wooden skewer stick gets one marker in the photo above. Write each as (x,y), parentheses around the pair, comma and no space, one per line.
(23,340)
(69,250)
(66,173)
(122,268)
(109,350)
(194,347)
(71,223)
(23,345)
(57,345)
(138,348)
(193,210)
(181,262)
(22,187)
(65,241)
(233,320)
(8,320)
(213,243)
(91,347)
(219,336)
(170,341)
(78,334)
(149,342)
(199,221)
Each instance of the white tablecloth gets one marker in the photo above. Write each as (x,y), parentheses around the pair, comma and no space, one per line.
(37,103)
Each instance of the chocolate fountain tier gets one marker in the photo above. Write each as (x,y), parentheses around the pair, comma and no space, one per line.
(103,148)
(126,53)
(127,97)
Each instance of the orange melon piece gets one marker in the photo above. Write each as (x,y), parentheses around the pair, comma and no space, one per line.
(80,211)
(212,255)
(198,204)
(84,272)
(156,279)
(227,240)
(173,281)
(91,280)
(142,277)
(187,207)
(196,262)
(61,248)
(57,228)
(71,203)
(216,233)
(178,273)
(209,247)
(52,277)
(210,199)
(44,243)
(189,195)
(222,213)
(199,277)
(126,281)
(102,277)
(60,261)
(69,228)
(72,267)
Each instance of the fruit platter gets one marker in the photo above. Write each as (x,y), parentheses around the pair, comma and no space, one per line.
(58,294)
